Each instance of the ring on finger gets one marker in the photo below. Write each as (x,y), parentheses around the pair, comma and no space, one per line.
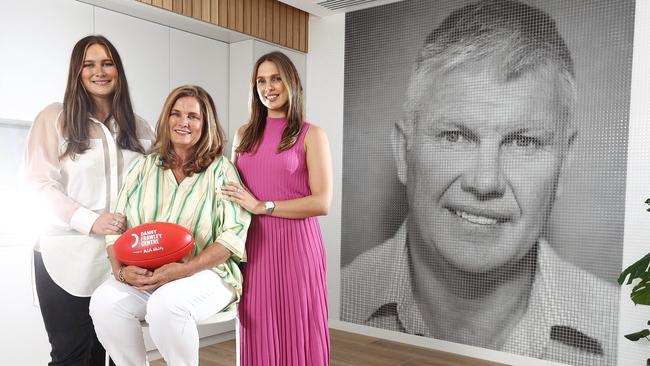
(114,223)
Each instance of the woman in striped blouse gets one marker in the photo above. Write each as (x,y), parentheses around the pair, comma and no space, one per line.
(179,182)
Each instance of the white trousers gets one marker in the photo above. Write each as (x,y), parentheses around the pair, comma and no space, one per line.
(172,311)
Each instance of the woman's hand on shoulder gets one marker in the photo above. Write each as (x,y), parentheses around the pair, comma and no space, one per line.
(243,197)
(109,224)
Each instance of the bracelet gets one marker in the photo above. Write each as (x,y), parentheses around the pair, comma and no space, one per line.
(120,275)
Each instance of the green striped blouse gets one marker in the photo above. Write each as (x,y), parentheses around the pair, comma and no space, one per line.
(150,194)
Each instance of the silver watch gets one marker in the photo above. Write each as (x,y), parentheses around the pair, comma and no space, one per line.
(269,206)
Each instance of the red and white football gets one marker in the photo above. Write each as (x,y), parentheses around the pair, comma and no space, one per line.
(153,244)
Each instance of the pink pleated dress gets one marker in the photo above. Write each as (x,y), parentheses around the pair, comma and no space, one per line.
(283,310)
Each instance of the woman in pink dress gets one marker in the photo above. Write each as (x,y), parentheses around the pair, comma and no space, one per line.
(286,169)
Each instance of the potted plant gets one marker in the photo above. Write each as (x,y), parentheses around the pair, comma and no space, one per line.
(641,291)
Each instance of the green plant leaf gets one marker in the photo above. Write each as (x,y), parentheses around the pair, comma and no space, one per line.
(638,269)
(641,292)
(638,335)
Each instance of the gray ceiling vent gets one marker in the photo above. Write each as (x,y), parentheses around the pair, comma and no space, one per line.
(335,5)
(324,8)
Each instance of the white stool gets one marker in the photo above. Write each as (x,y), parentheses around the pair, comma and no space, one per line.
(225,316)
(219,317)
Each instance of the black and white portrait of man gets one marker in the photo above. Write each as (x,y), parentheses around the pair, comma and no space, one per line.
(506,140)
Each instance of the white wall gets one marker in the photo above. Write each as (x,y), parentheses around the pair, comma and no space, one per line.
(324,107)
(207,68)
(298,58)
(242,60)
(637,231)
(36,46)
(145,51)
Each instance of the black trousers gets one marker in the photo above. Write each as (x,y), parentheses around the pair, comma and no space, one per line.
(67,322)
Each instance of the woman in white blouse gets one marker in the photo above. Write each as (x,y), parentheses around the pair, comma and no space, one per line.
(76,155)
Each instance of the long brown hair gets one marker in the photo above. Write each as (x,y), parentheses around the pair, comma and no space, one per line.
(77,103)
(294,110)
(210,144)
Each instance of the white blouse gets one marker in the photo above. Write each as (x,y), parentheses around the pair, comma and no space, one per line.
(77,191)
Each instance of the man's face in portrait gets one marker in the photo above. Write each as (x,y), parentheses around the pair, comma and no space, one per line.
(484,159)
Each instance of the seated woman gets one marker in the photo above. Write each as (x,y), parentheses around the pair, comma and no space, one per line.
(179,182)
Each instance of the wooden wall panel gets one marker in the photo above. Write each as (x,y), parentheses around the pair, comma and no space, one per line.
(296,29)
(255,23)
(283,20)
(232,12)
(246,16)
(276,22)
(187,8)
(261,4)
(269,20)
(177,6)
(303,31)
(289,16)
(206,9)
(214,12)
(223,13)
(197,9)
(239,16)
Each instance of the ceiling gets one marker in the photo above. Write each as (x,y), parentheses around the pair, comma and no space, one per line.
(323,8)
